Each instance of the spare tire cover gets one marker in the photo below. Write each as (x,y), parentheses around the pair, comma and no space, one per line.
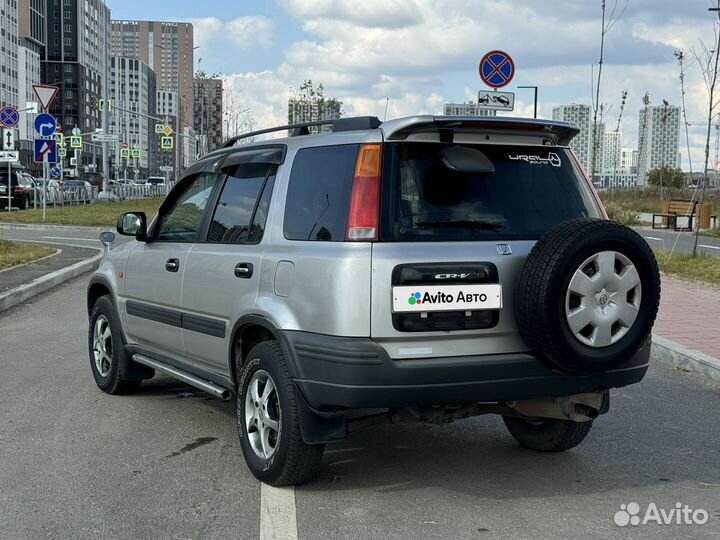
(588,296)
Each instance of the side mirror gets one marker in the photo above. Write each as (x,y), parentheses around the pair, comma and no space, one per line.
(107,238)
(133,224)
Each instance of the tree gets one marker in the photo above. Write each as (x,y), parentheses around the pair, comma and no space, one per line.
(310,103)
(666,177)
(708,59)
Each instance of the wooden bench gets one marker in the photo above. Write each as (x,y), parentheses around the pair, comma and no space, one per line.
(676,209)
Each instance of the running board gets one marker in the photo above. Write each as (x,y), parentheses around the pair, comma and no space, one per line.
(184,376)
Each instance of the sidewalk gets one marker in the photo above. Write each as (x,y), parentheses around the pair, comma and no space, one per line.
(686,330)
(23,282)
(690,315)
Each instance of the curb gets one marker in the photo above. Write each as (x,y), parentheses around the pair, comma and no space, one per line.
(28,290)
(683,357)
(5,225)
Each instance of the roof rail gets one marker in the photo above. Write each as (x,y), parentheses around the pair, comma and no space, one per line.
(338,124)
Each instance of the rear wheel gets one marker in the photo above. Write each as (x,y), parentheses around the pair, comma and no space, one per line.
(547,434)
(268,421)
(25,203)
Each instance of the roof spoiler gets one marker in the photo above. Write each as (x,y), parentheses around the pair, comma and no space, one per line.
(558,133)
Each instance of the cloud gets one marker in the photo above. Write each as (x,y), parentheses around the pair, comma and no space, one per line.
(367,13)
(244,32)
(422,53)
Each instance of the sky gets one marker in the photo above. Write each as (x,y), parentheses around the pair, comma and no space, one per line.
(419,54)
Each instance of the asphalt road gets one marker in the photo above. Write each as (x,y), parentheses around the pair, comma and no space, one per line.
(681,242)
(166,462)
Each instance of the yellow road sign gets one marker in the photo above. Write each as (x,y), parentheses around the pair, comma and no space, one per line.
(124,152)
(76,142)
(159,128)
(135,153)
(168,131)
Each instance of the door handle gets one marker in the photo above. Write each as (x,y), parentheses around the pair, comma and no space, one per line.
(172,265)
(243,270)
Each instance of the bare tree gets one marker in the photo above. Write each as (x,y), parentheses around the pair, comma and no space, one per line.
(606,25)
(680,56)
(708,58)
(616,164)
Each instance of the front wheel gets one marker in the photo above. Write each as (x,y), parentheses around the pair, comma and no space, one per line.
(268,421)
(547,434)
(107,352)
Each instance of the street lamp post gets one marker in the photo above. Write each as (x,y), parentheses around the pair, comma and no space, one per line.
(535,88)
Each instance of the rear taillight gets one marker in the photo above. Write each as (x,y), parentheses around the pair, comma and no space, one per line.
(19,189)
(364,217)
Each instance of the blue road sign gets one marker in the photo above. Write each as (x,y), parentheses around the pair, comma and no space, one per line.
(56,172)
(497,69)
(45,124)
(45,151)
(9,117)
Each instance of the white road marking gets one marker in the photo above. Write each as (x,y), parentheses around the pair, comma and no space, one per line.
(70,238)
(278,517)
(654,238)
(709,247)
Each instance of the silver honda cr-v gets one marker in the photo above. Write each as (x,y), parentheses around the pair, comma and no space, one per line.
(356,272)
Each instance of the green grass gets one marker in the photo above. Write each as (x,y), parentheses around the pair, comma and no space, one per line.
(649,200)
(102,214)
(14,253)
(705,268)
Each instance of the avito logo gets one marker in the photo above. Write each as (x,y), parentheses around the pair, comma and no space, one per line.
(418,298)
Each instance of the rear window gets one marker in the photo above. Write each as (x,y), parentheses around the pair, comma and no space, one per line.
(318,195)
(531,190)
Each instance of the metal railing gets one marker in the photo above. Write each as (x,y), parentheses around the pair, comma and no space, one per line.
(69,195)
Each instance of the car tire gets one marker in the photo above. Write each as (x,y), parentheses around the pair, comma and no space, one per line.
(108,357)
(26,203)
(588,296)
(278,457)
(547,434)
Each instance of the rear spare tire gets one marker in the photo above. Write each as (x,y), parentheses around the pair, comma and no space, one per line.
(588,296)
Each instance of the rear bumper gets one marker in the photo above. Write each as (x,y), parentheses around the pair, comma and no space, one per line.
(333,372)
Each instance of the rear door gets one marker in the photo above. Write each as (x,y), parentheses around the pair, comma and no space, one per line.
(153,277)
(221,277)
(453,243)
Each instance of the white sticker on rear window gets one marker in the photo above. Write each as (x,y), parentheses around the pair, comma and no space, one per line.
(552,159)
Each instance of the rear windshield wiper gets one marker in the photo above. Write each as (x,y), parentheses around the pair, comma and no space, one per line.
(463,224)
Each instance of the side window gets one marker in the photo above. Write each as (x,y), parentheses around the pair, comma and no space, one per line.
(318,195)
(182,221)
(242,208)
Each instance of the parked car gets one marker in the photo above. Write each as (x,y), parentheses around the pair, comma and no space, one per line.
(422,269)
(53,190)
(77,191)
(22,190)
(155,180)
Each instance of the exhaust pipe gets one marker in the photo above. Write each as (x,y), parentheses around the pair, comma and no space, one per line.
(184,376)
(577,408)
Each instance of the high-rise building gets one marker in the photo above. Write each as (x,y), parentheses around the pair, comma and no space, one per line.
(76,59)
(467,109)
(628,158)
(610,156)
(31,42)
(658,139)
(302,110)
(9,84)
(167,47)
(582,144)
(208,113)
(132,88)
